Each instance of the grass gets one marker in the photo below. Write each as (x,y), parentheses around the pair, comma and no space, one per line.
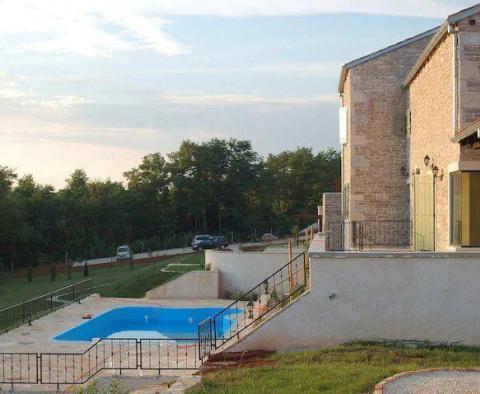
(116,281)
(353,368)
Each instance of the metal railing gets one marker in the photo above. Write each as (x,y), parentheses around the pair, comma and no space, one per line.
(27,311)
(254,306)
(368,235)
(107,354)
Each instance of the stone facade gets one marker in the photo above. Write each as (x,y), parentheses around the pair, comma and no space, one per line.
(332,211)
(433,121)
(376,148)
(431,97)
(468,71)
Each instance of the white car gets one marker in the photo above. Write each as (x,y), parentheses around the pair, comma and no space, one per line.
(124,253)
(268,237)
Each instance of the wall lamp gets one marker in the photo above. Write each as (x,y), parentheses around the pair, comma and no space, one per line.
(403,171)
(426,160)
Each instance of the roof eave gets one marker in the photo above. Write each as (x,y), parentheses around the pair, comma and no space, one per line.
(426,53)
(343,78)
(467,132)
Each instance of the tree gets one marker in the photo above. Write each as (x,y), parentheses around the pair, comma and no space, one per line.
(216,186)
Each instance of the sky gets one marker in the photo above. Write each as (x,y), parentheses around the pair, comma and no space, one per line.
(99,84)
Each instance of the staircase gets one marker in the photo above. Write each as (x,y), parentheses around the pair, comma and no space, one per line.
(255,306)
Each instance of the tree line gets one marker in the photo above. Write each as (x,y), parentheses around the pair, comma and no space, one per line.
(219,186)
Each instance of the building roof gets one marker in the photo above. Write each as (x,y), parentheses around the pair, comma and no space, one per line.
(381,52)
(442,31)
(467,131)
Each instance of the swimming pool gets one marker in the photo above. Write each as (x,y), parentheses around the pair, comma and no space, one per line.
(145,322)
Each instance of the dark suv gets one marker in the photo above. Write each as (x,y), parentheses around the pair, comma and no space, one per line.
(203,241)
(220,242)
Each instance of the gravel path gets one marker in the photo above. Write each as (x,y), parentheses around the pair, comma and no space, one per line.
(436,382)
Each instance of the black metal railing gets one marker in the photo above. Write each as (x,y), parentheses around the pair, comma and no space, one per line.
(368,235)
(27,311)
(254,306)
(117,354)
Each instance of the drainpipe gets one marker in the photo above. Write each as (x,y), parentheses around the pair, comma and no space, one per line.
(453,32)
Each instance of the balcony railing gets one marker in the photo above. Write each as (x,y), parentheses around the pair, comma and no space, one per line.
(368,235)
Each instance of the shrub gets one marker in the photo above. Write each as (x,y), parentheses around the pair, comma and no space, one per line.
(69,272)
(30,274)
(85,270)
(53,273)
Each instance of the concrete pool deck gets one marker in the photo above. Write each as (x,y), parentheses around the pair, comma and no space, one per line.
(38,337)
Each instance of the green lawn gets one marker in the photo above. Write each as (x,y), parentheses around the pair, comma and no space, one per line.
(354,368)
(117,281)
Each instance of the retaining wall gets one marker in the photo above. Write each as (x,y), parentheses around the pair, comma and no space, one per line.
(239,272)
(372,296)
(201,285)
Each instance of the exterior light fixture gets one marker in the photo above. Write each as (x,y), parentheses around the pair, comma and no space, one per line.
(435,171)
(403,171)
(265,285)
(250,309)
(426,160)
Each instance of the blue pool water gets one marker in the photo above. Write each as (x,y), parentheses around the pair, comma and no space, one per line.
(145,322)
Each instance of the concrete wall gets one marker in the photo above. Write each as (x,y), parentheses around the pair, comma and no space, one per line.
(430,296)
(377,146)
(239,272)
(203,285)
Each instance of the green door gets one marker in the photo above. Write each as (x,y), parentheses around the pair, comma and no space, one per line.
(423,215)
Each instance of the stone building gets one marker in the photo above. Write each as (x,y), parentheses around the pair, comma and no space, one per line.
(409,129)
(375,192)
(444,94)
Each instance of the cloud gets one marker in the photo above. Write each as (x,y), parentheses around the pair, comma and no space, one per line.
(302,70)
(93,28)
(239,99)
(86,28)
(245,8)
(12,94)
(233,8)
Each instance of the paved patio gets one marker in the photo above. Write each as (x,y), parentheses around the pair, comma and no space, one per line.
(38,337)
(114,355)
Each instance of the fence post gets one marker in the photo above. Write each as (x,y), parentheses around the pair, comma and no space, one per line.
(39,368)
(23,312)
(305,268)
(73,293)
(215,332)
(51,301)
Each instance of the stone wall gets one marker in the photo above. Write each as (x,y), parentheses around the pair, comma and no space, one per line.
(468,71)
(377,146)
(431,98)
(347,148)
(332,210)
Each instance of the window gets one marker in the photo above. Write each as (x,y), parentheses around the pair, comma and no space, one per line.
(408,122)
(465,208)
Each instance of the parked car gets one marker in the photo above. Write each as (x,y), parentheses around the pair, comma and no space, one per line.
(203,241)
(124,253)
(220,241)
(268,237)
